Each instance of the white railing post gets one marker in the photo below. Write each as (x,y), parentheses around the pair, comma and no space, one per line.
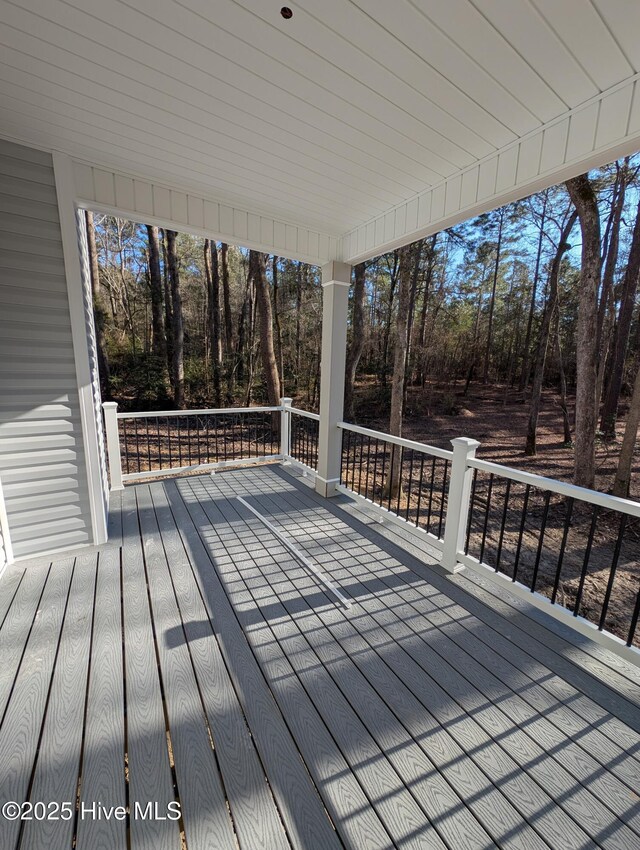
(110,409)
(458,501)
(285,427)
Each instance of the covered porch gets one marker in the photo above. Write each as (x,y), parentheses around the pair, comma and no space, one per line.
(194,661)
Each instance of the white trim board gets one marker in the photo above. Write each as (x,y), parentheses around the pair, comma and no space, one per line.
(63,172)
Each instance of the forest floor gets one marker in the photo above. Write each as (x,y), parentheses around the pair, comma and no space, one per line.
(499,421)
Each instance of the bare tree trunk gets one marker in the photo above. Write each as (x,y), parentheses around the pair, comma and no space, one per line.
(566,424)
(584,198)
(492,302)
(177,321)
(257,269)
(99,316)
(226,298)
(625,316)
(421,375)
(296,380)
(168,313)
(606,306)
(622,481)
(526,362)
(276,318)
(393,281)
(159,340)
(354,351)
(543,339)
(213,315)
(406,255)
(474,345)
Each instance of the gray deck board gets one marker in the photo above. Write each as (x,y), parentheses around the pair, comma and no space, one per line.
(531,799)
(150,779)
(252,805)
(495,715)
(15,630)
(301,808)
(516,745)
(202,795)
(10,583)
(103,760)
(22,724)
(58,763)
(383,786)
(432,793)
(194,659)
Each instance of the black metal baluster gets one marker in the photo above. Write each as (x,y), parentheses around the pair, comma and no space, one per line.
(400,471)
(486,518)
(406,516)
(366,481)
(384,464)
(169,439)
(587,556)
(361,439)
(391,472)
(126,445)
(431,483)
(563,545)
(179,430)
(198,439)
(159,443)
(634,620)
(375,472)
(188,418)
(543,527)
(420,484)
(612,571)
(226,429)
(472,504)
(264,434)
(443,496)
(503,523)
(137,443)
(516,562)
(346,477)
(146,426)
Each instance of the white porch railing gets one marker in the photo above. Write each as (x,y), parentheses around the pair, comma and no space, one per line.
(568,549)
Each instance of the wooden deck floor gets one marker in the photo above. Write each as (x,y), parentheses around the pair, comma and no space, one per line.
(195,661)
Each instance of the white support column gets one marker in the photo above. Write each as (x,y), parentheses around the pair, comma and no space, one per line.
(113,444)
(65,191)
(285,428)
(336,279)
(458,502)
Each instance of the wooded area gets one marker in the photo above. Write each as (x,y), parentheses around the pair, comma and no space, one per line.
(533,306)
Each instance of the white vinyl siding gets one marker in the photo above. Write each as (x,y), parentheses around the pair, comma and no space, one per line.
(42,462)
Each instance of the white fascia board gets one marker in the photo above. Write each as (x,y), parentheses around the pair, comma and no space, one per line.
(113,192)
(595,133)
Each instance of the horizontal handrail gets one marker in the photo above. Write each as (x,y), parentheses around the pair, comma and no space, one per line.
(305,413)
(594,497)
(398,441)
(151,414)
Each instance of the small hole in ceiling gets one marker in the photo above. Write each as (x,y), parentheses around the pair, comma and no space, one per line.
(286,13)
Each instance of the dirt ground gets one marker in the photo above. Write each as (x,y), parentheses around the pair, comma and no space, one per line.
(524,538)
(499,421)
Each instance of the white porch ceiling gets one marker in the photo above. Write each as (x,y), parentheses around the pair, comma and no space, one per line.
(364,119)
